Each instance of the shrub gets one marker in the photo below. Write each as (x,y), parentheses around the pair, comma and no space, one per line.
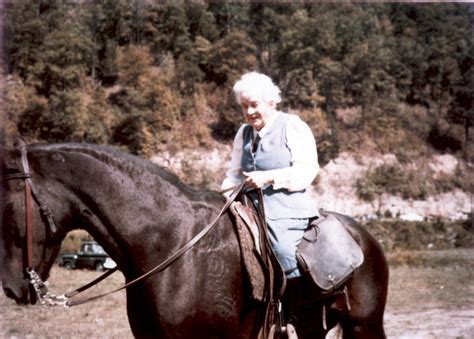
(392,179)
(72,241)
(396,235)
(459,179)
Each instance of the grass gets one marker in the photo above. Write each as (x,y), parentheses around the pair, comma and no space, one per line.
(438,282)
(434,284)
(397,235)
(425,289)
(105,318)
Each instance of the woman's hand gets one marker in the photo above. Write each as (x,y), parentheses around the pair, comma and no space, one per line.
(258,179)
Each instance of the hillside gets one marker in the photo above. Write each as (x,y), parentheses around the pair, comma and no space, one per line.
(385,87)
(154,77)
(335,188)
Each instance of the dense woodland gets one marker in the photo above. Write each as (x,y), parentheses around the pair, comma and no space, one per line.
(152,76)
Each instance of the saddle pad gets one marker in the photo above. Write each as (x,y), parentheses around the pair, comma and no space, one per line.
(247,233)
(329,253)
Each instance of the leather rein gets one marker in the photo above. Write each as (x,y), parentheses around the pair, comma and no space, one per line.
(40,287)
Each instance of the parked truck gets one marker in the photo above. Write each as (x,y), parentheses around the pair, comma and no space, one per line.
(91,255)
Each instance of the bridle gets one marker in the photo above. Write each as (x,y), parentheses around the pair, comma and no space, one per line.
(47,298)
(30,194)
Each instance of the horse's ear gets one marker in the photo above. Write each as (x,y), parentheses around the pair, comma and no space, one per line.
(10,149)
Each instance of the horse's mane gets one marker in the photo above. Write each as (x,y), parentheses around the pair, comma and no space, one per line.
(132,165)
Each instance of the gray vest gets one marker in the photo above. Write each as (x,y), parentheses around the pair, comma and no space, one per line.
(272,153)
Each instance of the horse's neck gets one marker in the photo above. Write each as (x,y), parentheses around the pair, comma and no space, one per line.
(123,215)
(136,216)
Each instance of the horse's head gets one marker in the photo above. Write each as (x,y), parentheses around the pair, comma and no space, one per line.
(46,239)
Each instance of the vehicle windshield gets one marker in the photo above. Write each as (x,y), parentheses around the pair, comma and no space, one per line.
(93,248)
(98,249)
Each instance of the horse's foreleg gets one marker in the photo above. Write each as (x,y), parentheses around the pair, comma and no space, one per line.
(363,331)
(141,315)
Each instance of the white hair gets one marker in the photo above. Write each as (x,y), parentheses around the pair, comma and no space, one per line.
(257,86)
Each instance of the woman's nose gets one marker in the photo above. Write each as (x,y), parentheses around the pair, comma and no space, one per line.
(250,110)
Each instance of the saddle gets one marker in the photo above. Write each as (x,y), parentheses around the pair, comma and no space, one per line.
(247,231)
(266,277)
(328,253)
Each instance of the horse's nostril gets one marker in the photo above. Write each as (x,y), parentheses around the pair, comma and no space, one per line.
(9,293)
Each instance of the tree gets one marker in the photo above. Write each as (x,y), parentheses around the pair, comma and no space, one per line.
(166,30)
(113,28)
(201,22)
(99,118)
(230,16)
(228,59)
(47,47)
(16,99)
(268,22)
(24,34)
(65,58)
(147,98)
(60,120)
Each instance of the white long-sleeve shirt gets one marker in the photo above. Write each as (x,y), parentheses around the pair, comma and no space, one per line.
(304,157)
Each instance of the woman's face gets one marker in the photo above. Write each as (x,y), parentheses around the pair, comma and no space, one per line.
(256,112)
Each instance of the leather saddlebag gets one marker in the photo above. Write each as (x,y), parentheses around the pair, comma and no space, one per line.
(328,253)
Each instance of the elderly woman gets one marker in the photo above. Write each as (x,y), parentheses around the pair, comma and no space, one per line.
(276,152)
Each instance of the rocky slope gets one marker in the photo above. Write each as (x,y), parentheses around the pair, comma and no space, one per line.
(334,189)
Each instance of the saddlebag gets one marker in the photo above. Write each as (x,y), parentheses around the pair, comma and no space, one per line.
(328,253)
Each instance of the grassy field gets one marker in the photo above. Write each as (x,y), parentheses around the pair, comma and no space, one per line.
(433,297)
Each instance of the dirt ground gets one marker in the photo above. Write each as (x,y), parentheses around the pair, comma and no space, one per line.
(432,298)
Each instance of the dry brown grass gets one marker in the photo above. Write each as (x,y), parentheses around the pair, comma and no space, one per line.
(104,318)
(432,299)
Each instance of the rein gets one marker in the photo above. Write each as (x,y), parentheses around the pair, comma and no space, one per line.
(40,287)
(161,266)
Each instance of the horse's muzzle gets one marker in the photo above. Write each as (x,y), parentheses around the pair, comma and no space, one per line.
(23,295)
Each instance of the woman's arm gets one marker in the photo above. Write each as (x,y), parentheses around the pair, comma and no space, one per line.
(304,157)
(234,172)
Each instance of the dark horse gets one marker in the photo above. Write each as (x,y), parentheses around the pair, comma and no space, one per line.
(141,214)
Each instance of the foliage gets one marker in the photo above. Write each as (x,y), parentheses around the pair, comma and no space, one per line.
(460,179)
(146,101)
(392,179)
(397,235)
(410,183)
(395,77)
